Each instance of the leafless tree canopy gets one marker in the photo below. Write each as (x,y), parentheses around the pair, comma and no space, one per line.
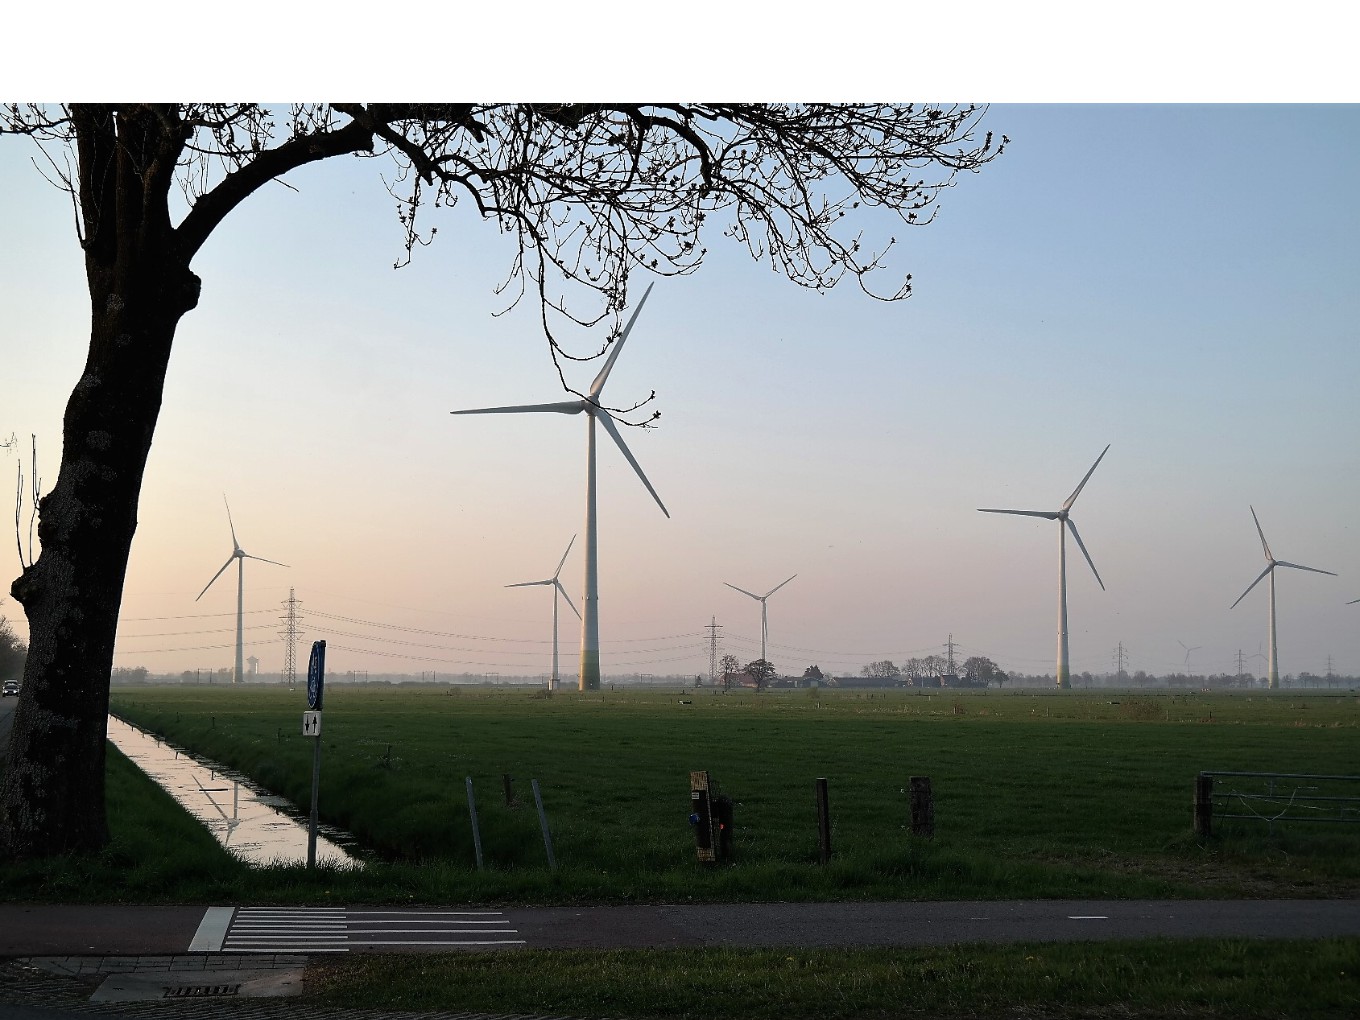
(590,192)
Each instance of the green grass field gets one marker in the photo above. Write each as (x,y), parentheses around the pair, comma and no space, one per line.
(1037,794)
(1240,979)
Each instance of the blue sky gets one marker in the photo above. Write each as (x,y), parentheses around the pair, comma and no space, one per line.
(1175,280)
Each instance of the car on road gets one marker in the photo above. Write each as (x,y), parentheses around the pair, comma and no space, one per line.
(11,688)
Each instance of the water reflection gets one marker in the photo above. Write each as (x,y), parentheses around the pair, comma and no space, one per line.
(245,820)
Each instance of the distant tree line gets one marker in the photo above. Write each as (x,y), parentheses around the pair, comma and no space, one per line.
(976,671)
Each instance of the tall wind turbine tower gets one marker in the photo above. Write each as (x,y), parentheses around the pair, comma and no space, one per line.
(589,679)
(1271,563)
(764,618)
(240,556)
(1065,523)
(557,590)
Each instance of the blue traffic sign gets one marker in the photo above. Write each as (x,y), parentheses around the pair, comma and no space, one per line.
(316,675)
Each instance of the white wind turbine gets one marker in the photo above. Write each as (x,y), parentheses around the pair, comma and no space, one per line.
(240,556)
(1271,563)
(764,618)
(557,590)
(1065,523)
(589,679)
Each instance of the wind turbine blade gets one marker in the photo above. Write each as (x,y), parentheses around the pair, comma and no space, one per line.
(1352,602)
(567,597)
(215,577)
(560,407)
(530,584)
(1072,527)
(1253,584)
(743,591)
(599,382)
(1050,515)
(604,419)
(1077,491)
(777,587)
(234,543)
(1300,566)
(263,560)
(564,557)
(1264,546)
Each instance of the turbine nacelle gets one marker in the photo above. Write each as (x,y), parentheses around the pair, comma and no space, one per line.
(1272,562)
(591,405)
(237,553)
(1063,515)
(764,617)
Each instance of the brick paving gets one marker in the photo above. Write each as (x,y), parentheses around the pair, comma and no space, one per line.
(67,982)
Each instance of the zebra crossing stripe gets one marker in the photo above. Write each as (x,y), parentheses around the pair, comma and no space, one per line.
(337,930)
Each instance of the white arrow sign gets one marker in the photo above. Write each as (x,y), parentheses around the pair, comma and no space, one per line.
(311,724)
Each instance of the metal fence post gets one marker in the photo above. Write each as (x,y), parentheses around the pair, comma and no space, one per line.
(823,822)
(476,832)
(543,824)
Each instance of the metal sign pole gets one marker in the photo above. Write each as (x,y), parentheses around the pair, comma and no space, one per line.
(311,726)
(316,790)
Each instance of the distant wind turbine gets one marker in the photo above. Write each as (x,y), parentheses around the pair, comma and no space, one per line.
(557,590)
(1065,523)
(240,556)
(1271,563)
(764,618)
(1188,650)
(589,679)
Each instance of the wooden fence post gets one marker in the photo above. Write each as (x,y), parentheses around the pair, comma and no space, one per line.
(922,806)
(1204,805)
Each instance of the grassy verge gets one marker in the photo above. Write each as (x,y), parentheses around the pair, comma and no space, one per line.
(1157,978)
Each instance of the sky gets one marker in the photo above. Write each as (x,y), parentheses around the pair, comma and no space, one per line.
(1176,280)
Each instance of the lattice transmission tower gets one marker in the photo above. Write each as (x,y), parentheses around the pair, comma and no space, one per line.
(292,630)
(713,628)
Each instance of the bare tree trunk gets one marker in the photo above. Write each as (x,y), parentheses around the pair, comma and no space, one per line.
(52,797)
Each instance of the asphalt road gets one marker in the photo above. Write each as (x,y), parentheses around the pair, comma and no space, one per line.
(74,930)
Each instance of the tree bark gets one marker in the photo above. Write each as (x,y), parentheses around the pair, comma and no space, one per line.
(52,796)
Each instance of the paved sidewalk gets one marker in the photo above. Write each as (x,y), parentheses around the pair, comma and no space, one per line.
(60,988)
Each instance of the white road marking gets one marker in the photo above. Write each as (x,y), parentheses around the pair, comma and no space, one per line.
(212,930)
(1088,917)
(334,929)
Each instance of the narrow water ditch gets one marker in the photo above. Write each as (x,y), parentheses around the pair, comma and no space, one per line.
(258,827)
